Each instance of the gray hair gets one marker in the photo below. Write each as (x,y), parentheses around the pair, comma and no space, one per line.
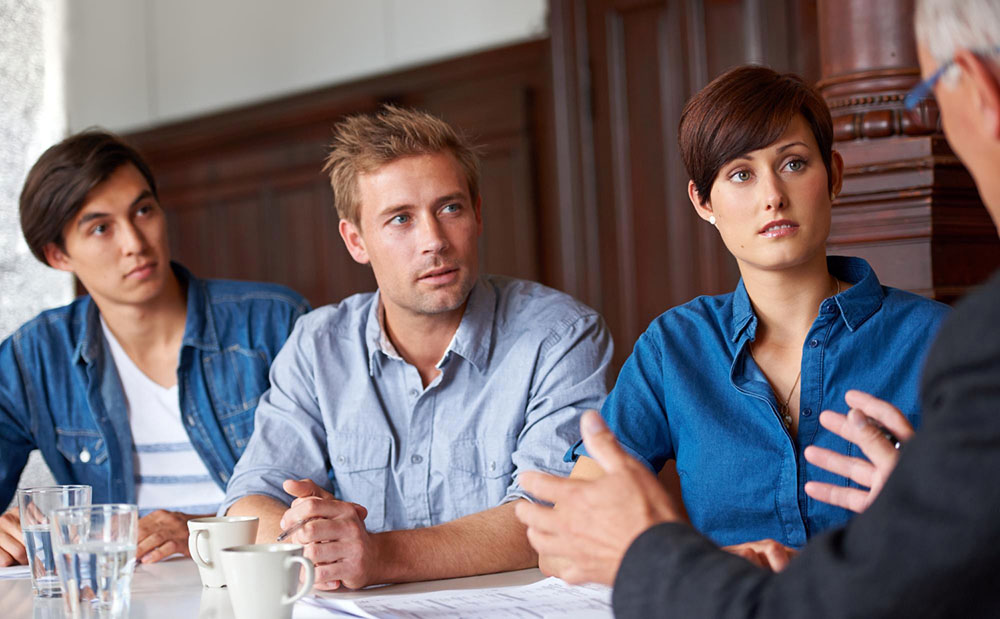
(945,26)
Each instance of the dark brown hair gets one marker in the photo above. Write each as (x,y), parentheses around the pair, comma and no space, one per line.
(58,184)
(742,110)
(365,142)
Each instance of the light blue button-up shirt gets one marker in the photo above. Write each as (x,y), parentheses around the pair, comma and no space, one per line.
(346,411)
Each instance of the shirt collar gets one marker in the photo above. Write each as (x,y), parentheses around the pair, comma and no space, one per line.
(856,304)
(472,340)
(199,328)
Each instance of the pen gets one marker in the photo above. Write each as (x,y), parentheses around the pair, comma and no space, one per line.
(292,529)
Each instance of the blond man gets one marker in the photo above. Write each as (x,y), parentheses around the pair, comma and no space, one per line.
(397,421)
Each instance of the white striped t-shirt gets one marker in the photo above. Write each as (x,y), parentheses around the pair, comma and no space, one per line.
(169,474)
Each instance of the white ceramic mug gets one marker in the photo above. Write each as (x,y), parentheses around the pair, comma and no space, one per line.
(208,536)
(262,579)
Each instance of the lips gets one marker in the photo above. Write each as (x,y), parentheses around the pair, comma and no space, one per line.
(440,275)
(778,228)
(142,271)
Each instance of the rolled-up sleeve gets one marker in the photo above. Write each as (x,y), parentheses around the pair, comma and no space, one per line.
(571,377)
(288,440)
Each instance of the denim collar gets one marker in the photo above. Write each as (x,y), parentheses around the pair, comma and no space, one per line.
(199,327)
(855,305)
(472,340)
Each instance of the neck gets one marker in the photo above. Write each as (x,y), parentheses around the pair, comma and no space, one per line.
(153,328)
(422,339)
(787,302)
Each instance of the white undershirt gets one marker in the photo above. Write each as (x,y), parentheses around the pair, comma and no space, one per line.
(169,474)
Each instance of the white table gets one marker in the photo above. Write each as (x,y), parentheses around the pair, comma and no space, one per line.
(172,589)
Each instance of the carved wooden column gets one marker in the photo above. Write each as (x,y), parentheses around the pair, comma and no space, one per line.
(908,206)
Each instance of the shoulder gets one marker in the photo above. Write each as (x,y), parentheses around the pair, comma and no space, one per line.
(223,292)
(697,318)
(908,306)
(347,317)
(530,305)
(53,325)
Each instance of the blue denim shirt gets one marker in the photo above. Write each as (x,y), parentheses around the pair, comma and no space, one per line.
(690,391)
(346,411)
(60,391)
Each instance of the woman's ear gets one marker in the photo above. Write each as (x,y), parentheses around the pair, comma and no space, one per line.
(836,172)
(704,210)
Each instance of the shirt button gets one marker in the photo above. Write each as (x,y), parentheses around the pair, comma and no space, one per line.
(806,412)
(190,420)
(813,343)
(223,476)
(416,459)
(493,465)
(85,456)
(341,459)
(414,393)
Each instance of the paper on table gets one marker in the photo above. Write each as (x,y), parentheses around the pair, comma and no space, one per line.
(547,598)
(15,572)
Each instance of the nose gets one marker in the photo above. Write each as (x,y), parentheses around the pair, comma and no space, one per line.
(432,237)
(773,192)
(133,241)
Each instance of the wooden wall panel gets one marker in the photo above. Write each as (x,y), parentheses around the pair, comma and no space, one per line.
(246,197)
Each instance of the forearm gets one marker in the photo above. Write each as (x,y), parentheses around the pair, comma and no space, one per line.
(267,509)
(483,543)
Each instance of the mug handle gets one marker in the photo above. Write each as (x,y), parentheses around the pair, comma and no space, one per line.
(307,585)
(193,549)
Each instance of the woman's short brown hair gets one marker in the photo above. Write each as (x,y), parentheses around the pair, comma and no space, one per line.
(743,110)
(58,184)
(365,142)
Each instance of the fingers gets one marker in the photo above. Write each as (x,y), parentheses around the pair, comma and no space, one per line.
(304,488)
(12,551)
(161,552)
(856,428)
(766,553)
(547,487)
(601,443)
(309,508)
(857,470)
(841,496)
(537,518)
(881,411)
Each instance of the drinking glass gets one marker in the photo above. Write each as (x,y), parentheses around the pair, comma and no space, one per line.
(36,506)
(95,554)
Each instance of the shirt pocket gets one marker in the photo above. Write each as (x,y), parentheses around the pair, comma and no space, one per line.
(236,378)
(81,447)
(482,470)
(360,472)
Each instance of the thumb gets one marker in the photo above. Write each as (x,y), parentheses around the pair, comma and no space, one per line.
(360,510)
(601,444)
(301,488)
(869,437)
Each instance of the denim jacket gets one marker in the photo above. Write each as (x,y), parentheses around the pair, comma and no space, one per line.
(60,391)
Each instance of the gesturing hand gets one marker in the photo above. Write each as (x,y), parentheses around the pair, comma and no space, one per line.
(765,553)
(858,428)
(334,536)
(596,520)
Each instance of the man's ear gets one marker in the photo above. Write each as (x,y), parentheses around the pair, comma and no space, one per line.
(985,90)
(479,215)
(353,241)
(57,258)
(704,210)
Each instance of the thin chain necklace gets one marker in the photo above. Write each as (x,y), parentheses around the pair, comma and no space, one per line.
(786,416)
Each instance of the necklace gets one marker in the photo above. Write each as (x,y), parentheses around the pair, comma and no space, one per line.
(786,416)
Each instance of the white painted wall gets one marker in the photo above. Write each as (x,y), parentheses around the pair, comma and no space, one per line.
(133,63)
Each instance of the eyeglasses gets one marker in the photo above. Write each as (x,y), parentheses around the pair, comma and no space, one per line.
(919,92)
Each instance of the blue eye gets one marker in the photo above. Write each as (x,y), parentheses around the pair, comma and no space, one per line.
(400,219)
(795,165)
(451,208)
(99,229)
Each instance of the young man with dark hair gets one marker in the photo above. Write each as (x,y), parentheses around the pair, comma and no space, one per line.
(398,420)
(144,389)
